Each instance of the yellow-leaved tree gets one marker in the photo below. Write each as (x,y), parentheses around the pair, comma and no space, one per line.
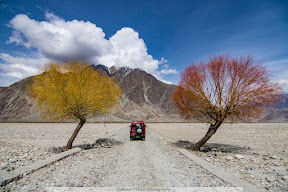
(73,90)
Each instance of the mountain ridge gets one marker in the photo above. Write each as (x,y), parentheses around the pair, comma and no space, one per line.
(143,97)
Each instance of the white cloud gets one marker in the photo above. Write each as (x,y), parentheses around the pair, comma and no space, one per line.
(129,50)
(16,68)
(277,62)
(9,78)
(168,71)
(15,74)
(163,61)
(39,60)
(167,82)
(279,70)
(283,82)
(57,39)
(60,40)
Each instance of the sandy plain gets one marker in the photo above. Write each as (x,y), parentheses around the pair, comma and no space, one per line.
(256,152)
(259,137)
(22,144)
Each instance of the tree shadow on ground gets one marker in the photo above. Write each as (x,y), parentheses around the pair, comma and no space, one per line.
(102,142)
(215,147)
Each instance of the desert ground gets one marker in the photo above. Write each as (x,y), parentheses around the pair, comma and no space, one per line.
(256,152)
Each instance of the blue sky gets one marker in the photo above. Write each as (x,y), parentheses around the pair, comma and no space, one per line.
(160,37)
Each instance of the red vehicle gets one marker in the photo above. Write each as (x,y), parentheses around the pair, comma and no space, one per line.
(137,130)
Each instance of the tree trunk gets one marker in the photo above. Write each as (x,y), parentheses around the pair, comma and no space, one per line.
(73,136)
(212,129)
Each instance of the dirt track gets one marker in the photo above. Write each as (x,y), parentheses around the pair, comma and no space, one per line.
(149,163)
(122,163)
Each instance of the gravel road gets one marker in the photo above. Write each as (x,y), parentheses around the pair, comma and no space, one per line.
(255,152)
(119,162)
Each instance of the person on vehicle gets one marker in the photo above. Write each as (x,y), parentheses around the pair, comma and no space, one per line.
(139,129)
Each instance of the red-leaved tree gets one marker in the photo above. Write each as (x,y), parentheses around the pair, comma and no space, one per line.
(224,87)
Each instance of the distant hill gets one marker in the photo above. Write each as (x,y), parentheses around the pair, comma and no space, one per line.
(15,103)
(284,103)
(144,97)
(280,114)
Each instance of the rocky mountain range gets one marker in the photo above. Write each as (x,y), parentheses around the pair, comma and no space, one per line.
(280,113)
(143,97)
(284,103)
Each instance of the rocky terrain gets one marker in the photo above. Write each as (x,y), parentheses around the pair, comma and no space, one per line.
(284,103)
(113,162)
(278,115)
(265,170)
(256,152)
(250,151)
(144,97)
(23,144)
(15,103)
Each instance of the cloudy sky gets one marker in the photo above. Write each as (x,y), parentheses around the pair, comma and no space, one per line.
(161,37)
